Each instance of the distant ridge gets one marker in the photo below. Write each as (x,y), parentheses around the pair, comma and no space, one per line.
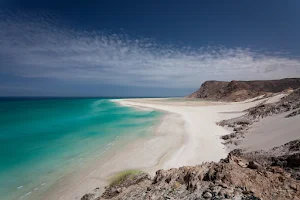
(242,90)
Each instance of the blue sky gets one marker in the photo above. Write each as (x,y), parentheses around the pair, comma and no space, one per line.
(143,48)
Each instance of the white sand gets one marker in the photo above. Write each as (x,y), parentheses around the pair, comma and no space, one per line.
(145,154)
(189,136)
(276,98)
(202,139)
(271,132)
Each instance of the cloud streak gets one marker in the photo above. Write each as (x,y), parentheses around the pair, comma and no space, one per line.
(38,47)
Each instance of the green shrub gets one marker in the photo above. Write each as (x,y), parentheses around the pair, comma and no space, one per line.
(121,176)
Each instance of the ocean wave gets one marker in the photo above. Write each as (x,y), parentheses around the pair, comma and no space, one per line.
(98,102)
(22,197)
(31,191)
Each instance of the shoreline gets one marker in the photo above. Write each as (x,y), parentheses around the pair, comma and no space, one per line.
(98,172)
(197,140)
(197,136)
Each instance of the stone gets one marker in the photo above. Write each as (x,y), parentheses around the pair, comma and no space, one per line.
(239,128)
(216,190)
(207,195)
(119,190)
(294,187)
(242,163)
(88,197)
(253,165)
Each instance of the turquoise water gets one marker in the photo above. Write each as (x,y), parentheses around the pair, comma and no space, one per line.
(42,140)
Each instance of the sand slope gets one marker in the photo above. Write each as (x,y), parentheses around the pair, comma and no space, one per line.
(271,132)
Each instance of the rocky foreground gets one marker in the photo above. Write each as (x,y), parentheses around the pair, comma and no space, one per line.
(244,176)
(242,90)
(272,174)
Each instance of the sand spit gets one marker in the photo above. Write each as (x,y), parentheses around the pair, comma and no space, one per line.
(187,136)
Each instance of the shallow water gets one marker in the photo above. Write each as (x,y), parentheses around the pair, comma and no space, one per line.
(42,140)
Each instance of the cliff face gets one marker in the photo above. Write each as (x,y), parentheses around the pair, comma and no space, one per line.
(242,90)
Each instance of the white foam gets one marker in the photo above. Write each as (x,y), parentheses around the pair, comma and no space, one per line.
(22,197)
(27,193)
(119,101)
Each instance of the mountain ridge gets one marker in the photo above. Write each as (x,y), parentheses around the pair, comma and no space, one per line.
(242,90)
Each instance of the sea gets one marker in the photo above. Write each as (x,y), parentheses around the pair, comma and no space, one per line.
(42,140)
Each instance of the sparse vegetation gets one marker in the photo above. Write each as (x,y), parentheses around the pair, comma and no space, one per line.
(176,185)
(121,176)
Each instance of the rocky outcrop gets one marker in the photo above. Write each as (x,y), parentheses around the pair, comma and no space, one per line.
(136,181)
(210,90)
(242,90)
(286,156)
(241,176)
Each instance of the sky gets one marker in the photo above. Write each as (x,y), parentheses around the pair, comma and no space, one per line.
(143,48)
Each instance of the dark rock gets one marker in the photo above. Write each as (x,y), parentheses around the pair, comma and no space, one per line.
(210,175)
(238,128)
(253,165)
(88,197)
(250,198)
(293,160)
(225,137)
(242,90)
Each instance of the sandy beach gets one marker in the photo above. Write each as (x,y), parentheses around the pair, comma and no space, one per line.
(271,132)
(187,135)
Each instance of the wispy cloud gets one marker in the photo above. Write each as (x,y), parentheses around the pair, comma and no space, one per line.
(38,47)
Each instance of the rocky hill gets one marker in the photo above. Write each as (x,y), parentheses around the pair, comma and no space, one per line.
(242,90)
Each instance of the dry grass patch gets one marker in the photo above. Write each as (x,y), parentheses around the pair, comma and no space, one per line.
(121,176)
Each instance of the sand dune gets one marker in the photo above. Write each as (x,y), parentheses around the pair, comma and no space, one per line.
(271,132)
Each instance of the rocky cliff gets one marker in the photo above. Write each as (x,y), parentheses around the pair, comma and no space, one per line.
(242,90)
